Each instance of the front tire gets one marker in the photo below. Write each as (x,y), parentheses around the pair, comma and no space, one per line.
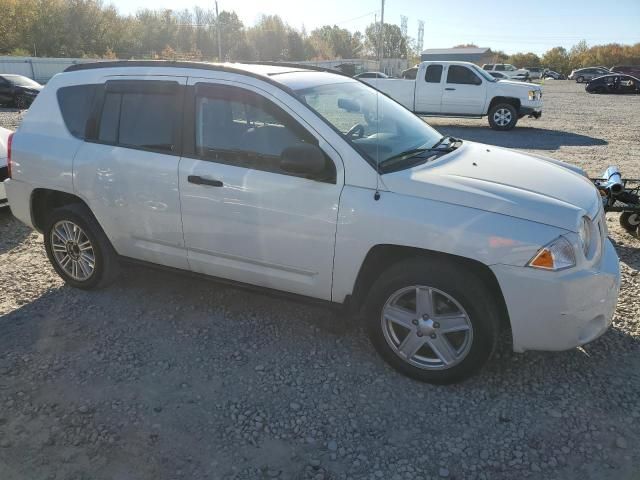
(78,249)
(579,79)
(432,320)
(503,117)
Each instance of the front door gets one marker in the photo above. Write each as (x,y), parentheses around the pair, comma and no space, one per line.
(127,170)
(244,218)
(464,92)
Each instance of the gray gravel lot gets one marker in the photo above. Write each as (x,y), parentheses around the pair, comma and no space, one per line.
(170,377)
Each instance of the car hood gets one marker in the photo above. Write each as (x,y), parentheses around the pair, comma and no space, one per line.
(519,86)
(505,182)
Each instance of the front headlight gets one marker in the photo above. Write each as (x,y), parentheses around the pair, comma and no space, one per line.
(532,95)
(557,255)
(584,232)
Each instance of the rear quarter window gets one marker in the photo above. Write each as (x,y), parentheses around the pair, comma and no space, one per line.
(75,105)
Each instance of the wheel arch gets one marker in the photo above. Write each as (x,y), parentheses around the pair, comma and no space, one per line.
(44,201)
(510,100)
(382,256)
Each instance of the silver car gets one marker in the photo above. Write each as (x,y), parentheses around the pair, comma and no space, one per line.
(587,74)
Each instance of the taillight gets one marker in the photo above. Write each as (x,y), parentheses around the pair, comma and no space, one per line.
(9,142)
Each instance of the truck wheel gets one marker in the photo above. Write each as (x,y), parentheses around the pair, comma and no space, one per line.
(78,249)
(630,221)
(432,320)
(503,116)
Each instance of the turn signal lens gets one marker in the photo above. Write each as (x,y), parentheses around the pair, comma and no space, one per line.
(558,255)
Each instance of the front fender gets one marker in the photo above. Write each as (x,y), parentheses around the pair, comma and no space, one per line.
(394,219)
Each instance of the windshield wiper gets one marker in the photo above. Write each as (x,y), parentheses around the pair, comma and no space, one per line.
(451,139)
(411,158)
(419,153)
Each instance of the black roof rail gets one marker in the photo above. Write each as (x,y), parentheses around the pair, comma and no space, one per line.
(224,67)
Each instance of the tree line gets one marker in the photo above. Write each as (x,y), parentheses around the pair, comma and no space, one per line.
(89,28)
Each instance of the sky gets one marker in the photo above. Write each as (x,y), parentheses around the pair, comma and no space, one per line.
(509,25)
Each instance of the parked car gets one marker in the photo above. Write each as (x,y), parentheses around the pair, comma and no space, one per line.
(18,91)
(553,75)
(587,74)
(535,73)
(509,70)
(499,75)
(462,89)
(614,84)
(409,73)
(4,166)
(314,184)
(633,70)
(371,75)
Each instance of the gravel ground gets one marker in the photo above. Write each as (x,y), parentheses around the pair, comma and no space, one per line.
(168,377)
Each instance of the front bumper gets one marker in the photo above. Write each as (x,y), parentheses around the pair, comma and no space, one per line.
(560,310)
(535,112)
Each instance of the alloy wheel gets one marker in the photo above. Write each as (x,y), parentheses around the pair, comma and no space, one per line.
(73,250)
(502,117)
(426,327)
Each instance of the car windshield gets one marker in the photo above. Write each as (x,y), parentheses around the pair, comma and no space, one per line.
(374,124)
(21,81)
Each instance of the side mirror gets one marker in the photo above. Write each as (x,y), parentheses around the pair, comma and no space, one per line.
(303,159)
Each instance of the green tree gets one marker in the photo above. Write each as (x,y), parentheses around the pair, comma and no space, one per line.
(522,60)
(556,59)
(394,44)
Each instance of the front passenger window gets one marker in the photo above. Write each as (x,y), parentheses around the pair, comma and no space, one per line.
(240,127)
(462,76)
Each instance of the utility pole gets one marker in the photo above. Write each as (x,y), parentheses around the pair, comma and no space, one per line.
(381,37)
(219,38)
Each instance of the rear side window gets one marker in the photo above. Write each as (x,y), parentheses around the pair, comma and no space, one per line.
(75,105)
(500,68)
(140,119)
(488,67)
(462,75)
(433,74)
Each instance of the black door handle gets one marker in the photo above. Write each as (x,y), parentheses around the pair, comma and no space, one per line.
(204,181)
(449,88)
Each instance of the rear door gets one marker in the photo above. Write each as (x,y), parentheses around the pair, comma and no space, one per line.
(464,91)
(428,96)
(127,170)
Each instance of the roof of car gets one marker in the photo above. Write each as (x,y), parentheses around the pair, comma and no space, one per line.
(267,69)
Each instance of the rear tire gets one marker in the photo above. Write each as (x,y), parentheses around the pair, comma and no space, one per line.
(78,249)
(503,117)
(450,292)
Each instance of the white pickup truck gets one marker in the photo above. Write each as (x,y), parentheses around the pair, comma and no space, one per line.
(462,89)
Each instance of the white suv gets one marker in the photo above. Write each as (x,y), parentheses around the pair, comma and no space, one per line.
(509,70)
(315,184)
